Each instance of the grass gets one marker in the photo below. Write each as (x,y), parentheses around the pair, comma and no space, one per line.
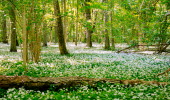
(92,63)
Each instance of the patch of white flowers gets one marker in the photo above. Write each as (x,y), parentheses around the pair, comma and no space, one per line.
(89,62)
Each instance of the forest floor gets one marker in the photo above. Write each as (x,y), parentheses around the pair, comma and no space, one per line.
(92,63)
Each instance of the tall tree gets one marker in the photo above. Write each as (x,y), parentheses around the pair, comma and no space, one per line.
(35,30)
(32,30)
(44,27)
(4,29)
(12,15)
(4,23)
(24,38)
(89,23)
(111,26)
(45,35)
(77,15)
(64,19)
(59,28)
(107,39)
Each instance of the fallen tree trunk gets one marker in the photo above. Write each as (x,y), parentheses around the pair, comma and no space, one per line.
(126,48)
(43,83)
(164,46)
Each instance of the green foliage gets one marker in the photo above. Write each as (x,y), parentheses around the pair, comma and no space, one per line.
(2,92)
(108,92)
(97,64)
(145,16)
(130,17)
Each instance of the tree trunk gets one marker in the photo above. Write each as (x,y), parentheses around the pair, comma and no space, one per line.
(4,24)
(59,26)
(44,34)
(77,26)
(13,47)
(4,29)
(34,31)
(141,23)
(64,19)
(112,29)
(107,40)
(89,26)
(44,83)
(55,34)
(25,38)
(17,43)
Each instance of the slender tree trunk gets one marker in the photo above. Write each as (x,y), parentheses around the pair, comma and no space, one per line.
(25,39)
(4,24)
(140,38)
(107,40)
(17,43)
(44,28)
(59,27)
(55,34)
(64,20)
(112,30)
(13,47)
(44,34)
(4,29)
(113,42)
(89,29)
(76,39)
(138,26)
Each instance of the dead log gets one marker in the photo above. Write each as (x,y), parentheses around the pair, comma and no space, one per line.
(44,83)
(126,48)
(164,46)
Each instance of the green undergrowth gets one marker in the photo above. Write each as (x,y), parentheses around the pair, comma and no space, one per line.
(90,63)
(110,92)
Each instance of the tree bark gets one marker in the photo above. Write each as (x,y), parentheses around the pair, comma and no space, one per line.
(25,38)
(44,83)
(45,34)
(13,47)
(107,39)
(4,26)
(77,24)
(4,30)
(89,27)
(59,28)
(112,28)
(64,19)
(34,31)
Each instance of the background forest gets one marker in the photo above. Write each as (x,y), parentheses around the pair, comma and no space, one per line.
(135,22)
(61,38)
